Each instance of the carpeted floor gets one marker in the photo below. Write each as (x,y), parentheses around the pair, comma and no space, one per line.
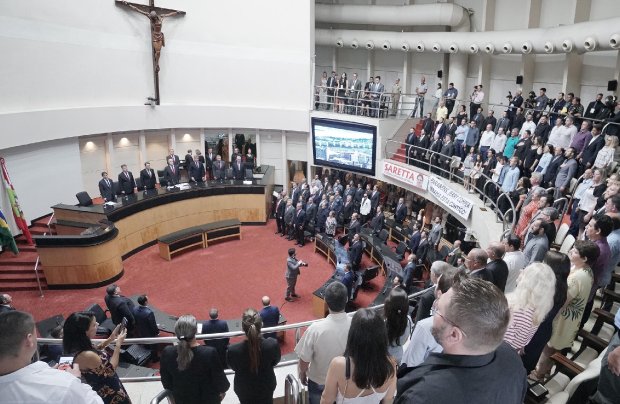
(231,276)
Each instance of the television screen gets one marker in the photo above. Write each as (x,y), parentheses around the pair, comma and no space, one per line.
(344,145)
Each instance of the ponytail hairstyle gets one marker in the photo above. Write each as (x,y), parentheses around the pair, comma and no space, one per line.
(185,330)
(395,311)
(251,323)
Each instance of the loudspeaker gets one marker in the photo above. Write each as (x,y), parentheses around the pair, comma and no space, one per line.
(612,85)
(439,73)
(519,79)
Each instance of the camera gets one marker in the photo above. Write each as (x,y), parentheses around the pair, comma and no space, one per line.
(551,102)
(509,96)
(303,264)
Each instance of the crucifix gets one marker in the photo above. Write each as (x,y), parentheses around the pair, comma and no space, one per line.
(156,15)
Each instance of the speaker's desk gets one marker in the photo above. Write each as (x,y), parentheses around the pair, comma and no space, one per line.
(92,258)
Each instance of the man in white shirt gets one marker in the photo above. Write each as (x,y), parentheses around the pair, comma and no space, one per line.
(570,130)
(420,91)
(555,137)
(528,124)
(323,341)
(476,98)
(499,142)
(486,140)
(25,382)
(515,260)
(442,112)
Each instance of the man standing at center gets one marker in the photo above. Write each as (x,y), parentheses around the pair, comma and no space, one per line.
(323,341)
(292,272)
(420,91)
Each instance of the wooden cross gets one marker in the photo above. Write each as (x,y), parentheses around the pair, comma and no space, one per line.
(156,15)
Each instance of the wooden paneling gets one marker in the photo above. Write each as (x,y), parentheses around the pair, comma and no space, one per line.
(78,216)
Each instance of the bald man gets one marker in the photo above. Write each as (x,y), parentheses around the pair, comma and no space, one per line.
(270,315)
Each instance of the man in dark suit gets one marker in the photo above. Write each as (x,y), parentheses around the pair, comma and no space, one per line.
(428,125)
(119,306)
(311,211)
(436,148)
(147,177)
(348,209)
(331,86)
(5,303)
(355,252)
(359,194)
(280,208)
(476,262)
(238,169)
(146,326)
(233,157)
(270,316)
(411,273)
(125,181)
(554,167)
(497,266)
(348,280)
(423,248)
(299,221)
(591,149)
(410,141)
(219,168)
(376,224)
(188,160)
(215,326)
(171,173)
(197,172)
(175,159)
(374,200)
(354,227)
(401,212)
(209,159)
(447,150)
(414,239)
(106,188)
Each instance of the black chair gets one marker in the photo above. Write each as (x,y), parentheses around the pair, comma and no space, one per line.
(249,174)
(160,173)
(369,274)
(84,199)
(116,187)
(443,252)
(229,174)
(162,182)
(139,184)
(106,326)
(383,236)
(401,248)
(46,326)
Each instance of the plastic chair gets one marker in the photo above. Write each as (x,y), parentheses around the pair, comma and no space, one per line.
(567,244)
(561,235)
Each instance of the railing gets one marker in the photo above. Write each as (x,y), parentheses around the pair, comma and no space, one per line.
(49,225)
(292,390)
(164,394)
(432,163)
(36,270)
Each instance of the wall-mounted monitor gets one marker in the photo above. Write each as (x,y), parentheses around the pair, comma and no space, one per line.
(343,145)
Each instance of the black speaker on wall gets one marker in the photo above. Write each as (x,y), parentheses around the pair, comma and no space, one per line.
(519,79)
(439,73)
(612,85)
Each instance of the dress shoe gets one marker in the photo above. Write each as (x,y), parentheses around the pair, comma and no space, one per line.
(300,245)
(295,295)
(288,299)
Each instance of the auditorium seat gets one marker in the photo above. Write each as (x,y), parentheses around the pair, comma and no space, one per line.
(139,183)
(84,199)
(400,251)
(106,326)
(563,385)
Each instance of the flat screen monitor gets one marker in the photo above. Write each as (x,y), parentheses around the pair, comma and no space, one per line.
(343,145)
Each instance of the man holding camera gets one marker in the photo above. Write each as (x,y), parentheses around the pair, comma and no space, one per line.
(292,272)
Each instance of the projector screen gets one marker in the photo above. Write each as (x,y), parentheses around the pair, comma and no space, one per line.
(344,145)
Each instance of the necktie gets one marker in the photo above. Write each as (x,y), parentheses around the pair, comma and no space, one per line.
(149,171)
(172,169)
(196,164)
(107,182)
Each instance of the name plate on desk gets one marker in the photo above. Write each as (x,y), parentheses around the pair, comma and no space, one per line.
(245,182)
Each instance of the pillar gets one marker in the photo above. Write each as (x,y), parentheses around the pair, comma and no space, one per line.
(571,76)
(142,146)
(109,152)
(257,152)
(285,180)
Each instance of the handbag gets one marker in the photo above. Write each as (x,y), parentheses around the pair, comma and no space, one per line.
(347,374)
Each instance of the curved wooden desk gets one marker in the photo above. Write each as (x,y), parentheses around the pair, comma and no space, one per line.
(75,261)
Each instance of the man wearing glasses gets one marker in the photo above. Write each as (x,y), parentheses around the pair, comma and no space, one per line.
(469,323)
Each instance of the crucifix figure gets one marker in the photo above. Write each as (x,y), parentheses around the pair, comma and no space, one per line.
(156,15)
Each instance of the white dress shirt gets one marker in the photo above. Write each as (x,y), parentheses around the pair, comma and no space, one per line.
(421,344)
(499,142)
(39,383)
(515,260)
(487,138)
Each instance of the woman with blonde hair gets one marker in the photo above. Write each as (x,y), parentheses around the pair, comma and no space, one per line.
(529,304)
(193,372)
(605,156)
(253,361)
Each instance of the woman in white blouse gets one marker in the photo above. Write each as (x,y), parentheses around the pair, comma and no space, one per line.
(605,156)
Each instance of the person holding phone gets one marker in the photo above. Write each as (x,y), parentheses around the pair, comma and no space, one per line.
(97,363)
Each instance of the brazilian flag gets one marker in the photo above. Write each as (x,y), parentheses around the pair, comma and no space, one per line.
(6,238)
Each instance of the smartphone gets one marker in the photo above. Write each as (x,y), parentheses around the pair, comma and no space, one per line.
(124,322)
(65,360)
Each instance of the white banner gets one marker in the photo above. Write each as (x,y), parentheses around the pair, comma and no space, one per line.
(408,175)
(450,198)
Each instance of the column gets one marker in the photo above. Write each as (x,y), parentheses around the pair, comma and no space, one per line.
(571,77)
(407,71)
(370,62)
(172,141)
(457,75)
(257,152)
(285,181)
(528,62)
(202,142)
(231,143)
(334,59)
(142,145)
(109,152)
(484,68)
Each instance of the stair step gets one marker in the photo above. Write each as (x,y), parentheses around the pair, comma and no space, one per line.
(20,277)
(18,269)
(23,286)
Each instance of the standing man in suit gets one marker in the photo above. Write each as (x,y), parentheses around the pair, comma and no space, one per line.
(289,217)
(219,168)
(188,160)
(119,306)
(410,141)
(197,171)
(147,176)
(171,173)
(331,86)
(455,253)
(125,181)
(280,208)
(414,239)
(476,262)
(375,95)
(447,151)
(146,326)
(354,228)
(236,153)
(209,158)
(106,188)
(566,172)
(435,234)
(376,224)
(410,273)
(311,212)
(592,148)
(270,316)
(5,303)
(401,212)
(216,326)
(374,200)
(496,265)
(355,252)
(354,91)
(299,222)
(175,159)
(238,169)
(292,272)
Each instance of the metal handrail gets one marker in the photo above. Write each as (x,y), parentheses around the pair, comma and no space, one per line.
(36,271)
(436,156)
(49,226)
(292,390)
(163,395)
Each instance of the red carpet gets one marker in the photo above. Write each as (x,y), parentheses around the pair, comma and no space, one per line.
(231,276)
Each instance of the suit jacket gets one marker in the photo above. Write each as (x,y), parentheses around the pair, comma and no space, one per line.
(238,171)
(355,88)
(422,251)
(484,274)
(292,267)
(354,228)
(503,123)
(280,209)
(120,307)
(107,191)
(146,326)
(311,210)
(188,160)
(374,201)
(300,218)
(146,180)
(552,170)
(400,214)
(566,173)
(209,161)
(359,194)
(414,242)
(428,126)
(221,344)
(171,177)
(289,215)
(448,150)
(499,271)
(376,90)
(126,182)
(271,318)
(348,210)
(175,159)
(456,253)
(442,130)
(435,234)
(355,253)
(408,275)
(219,169)
(424,305)
(197,173)
(377,223)
(591,150)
